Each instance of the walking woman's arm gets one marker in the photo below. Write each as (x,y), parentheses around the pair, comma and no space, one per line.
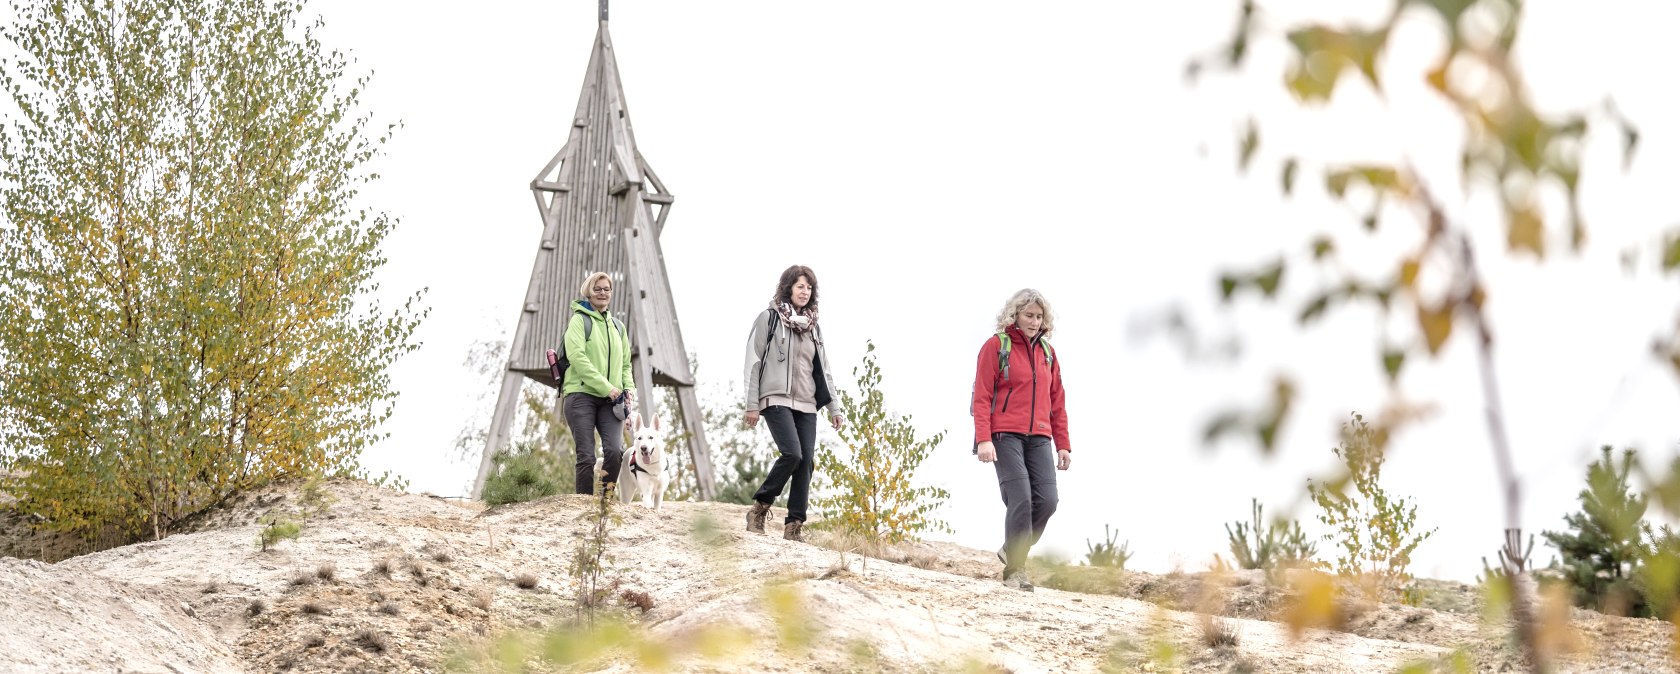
(1058,415)
(756,342)
(980,404)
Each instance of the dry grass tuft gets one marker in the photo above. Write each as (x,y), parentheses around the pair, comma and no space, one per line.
(1218,632)
(637,598)
(373,640)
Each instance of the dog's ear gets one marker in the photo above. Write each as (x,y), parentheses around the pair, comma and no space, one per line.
(656,422)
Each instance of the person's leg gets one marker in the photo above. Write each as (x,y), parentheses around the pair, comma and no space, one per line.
(805,423)
(580,417)
(611,429)
(1041,474)
(780,421)
(1017,500)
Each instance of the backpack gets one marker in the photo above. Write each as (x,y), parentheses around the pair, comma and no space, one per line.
(557,361)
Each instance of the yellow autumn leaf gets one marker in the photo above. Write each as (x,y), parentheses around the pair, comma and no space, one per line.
(1525,231)
(1313,604)
(1436,325)
(1408,271)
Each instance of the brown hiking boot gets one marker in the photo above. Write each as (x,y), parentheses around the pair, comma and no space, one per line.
(790,531)
(755,517)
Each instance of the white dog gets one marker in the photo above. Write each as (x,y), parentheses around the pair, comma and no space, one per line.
(643,468)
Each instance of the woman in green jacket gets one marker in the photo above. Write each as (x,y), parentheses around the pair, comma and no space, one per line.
(597,378)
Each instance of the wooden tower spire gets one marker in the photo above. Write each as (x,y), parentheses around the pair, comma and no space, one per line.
(603,209)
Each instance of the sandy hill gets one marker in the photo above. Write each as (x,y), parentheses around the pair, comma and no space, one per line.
(381,581)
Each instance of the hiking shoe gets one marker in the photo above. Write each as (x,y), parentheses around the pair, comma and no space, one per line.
(1001,559)
(1018,580)
(790,531)
(755,517)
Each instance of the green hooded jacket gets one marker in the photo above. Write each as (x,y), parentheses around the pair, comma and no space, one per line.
(601,364)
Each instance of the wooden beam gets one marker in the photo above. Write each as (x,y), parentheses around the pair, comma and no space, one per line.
(663,199)
(652,178)
(546,186)
(699,451)
(500,422)
(558,157)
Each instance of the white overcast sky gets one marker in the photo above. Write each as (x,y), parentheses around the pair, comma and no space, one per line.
(929,158)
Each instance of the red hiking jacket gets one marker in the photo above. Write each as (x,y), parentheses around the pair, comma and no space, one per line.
(1030,402)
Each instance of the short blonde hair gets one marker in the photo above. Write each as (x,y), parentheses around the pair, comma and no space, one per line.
(584,289)
(1022,298)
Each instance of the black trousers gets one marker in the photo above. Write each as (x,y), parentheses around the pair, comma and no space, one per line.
(796,437)
(1026,472)
(587,414)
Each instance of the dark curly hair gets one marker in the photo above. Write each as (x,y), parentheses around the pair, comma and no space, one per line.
(784,287)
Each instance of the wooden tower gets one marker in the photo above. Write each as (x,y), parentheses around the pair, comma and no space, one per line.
(603,209)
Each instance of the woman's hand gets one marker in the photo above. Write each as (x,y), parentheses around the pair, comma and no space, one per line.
(988,453)
(613,394)
(838,421)
(1064,459)
(752,418)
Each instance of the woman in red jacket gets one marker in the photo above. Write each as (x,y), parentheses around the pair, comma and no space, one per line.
(1019,412)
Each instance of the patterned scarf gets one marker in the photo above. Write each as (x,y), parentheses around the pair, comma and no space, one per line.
(804,320)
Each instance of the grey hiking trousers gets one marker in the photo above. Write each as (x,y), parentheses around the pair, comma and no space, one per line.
(1026,472)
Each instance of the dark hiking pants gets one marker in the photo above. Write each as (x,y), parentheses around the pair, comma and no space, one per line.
(796,437)
(1026,471)
(587,415)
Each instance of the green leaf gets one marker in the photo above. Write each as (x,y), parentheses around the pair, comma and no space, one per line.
(1228,286)
(1336,182)
(1224,423)
(1366,47)
(1322,247)
(1671,252)
(1450,10)
(1269,279)
(1314,309)
(1290,166)
(1393,359)
(1249,143)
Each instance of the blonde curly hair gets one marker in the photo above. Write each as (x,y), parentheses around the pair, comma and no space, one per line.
(1022,298)
(589,282)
